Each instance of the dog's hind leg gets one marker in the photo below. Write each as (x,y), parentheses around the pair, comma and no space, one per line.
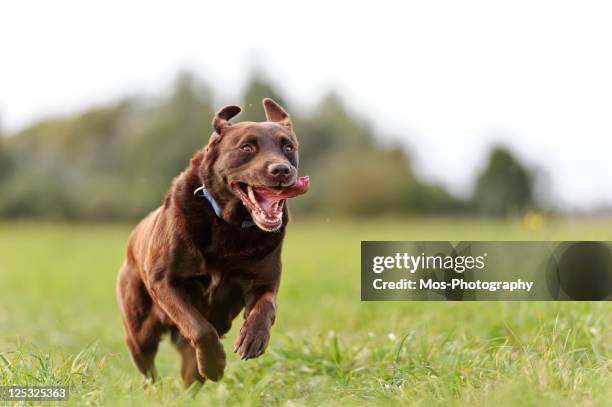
(189,364)
(142,325)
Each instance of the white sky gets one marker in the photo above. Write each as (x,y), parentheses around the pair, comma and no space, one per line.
(449,77)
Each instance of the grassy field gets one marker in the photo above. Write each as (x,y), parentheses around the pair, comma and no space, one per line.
(59,324)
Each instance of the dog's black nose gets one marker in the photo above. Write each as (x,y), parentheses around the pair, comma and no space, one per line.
(279,169)
(281,172)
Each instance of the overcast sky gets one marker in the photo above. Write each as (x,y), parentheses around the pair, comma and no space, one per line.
(451,78)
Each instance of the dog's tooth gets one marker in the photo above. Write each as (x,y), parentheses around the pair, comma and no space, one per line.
(251,194)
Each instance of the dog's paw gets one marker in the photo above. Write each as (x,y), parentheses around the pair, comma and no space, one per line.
(211,361)
(252,341)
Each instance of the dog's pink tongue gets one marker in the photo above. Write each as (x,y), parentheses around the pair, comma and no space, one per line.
(266,197)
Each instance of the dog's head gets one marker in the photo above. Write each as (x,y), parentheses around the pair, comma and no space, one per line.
(255,164)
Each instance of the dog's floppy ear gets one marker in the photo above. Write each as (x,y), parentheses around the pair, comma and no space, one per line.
(275,113)
(220,121)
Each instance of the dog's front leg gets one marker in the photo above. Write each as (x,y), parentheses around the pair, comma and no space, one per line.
(192,324)
(260,314)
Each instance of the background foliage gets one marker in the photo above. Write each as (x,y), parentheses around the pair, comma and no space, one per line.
(116,162)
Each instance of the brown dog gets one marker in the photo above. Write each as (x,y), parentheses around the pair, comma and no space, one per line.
(213,248)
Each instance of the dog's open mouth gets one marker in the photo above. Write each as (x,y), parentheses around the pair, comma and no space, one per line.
(266,204)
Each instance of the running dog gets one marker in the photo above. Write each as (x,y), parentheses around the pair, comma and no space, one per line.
(213,248)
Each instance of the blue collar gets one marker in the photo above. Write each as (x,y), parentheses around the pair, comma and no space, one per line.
(202,192)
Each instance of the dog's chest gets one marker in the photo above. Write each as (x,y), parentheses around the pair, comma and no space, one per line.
(236,246)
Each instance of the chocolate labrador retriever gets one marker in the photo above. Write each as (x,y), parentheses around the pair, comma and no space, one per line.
(213,248)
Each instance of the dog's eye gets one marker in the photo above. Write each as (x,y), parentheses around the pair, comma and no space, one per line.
(288,148)
(248,148)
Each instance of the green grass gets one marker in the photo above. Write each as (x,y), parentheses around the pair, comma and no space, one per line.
(59,324)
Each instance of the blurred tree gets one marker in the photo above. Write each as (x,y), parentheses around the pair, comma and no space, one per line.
(257,89)
(57,164)
(165,137)
(5,158)
(421,197)
(351,175)
(505,187)
(329,130)
(359,183)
